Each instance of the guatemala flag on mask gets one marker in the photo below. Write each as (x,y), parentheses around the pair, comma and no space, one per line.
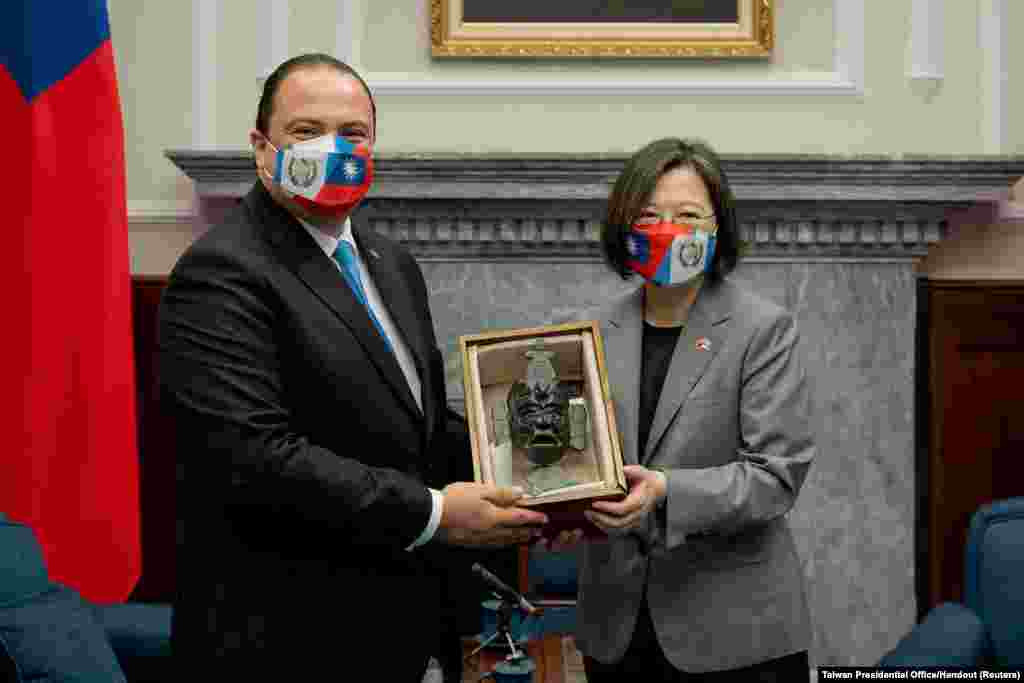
(330,171)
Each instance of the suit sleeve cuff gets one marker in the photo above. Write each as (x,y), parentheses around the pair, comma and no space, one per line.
(434,521)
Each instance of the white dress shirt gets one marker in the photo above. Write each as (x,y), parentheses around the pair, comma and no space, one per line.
(329,243)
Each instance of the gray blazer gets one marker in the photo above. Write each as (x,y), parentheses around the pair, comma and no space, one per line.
(732,431)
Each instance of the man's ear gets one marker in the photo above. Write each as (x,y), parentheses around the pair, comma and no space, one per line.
(256,139)
(258,143)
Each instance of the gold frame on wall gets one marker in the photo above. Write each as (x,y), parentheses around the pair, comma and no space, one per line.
(751,36)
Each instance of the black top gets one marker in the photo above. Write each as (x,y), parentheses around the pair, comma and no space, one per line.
(658,345)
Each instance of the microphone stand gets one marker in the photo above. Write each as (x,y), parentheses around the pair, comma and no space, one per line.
(503,631)
(517,662)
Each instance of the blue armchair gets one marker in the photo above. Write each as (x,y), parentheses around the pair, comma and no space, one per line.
(988,629)
(550,580)
(49,633)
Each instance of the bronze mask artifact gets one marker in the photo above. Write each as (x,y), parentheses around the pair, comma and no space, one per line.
(538,414)
(540,418)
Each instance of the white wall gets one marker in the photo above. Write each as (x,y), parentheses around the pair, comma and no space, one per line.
(1014,21)
(190,75)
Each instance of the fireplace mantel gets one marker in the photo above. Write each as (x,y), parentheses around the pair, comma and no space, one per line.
(548,207)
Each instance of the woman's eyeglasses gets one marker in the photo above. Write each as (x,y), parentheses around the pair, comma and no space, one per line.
(684,218)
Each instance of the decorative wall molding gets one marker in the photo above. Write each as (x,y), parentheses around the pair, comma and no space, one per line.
(847,77)
(274,29)
(143,211)
(850,43)
(204,71)
(927,40)
(549,208)
(562,232)
(230,173)
(993,42)
(347,32)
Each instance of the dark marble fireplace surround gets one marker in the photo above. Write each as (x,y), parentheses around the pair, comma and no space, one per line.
(511,240)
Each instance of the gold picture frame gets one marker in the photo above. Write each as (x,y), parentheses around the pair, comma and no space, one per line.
(749,33)
(586,469)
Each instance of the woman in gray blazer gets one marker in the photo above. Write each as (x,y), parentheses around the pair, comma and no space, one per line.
(698,579)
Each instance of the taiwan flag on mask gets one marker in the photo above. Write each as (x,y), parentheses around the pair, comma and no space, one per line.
(69,464)
(329,172)
(642,254)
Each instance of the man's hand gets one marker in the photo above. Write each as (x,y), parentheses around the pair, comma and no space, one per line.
(646,489)
(476,515)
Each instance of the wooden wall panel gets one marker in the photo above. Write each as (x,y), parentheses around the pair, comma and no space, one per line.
(156,450)
(971,420)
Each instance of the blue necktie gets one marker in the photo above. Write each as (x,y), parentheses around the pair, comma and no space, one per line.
(346,258)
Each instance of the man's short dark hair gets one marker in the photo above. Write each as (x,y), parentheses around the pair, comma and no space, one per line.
(274,80)
(635,185)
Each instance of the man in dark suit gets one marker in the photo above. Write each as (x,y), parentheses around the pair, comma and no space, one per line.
(299,358)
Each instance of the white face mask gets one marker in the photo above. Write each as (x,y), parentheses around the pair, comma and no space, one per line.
(328,176)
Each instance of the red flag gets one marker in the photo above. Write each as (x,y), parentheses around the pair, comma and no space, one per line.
(69,462)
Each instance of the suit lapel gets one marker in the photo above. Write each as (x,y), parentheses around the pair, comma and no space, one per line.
(395,294)
(696,348)
(306,259)
(621,338)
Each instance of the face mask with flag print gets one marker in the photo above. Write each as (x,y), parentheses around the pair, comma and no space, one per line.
(669,253)
(328,176)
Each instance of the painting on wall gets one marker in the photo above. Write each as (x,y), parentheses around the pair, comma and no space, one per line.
(602,28)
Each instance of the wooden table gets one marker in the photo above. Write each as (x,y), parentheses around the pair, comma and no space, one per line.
(546,654)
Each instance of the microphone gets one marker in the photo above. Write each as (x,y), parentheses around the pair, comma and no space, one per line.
(504,589)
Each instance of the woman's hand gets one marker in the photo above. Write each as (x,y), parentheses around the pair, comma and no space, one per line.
(646,489)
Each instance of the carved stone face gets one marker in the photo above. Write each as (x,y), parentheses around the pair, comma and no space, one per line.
(538,420)
(538,410)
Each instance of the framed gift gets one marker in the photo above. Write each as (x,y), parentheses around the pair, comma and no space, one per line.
(541,416)
(602,28)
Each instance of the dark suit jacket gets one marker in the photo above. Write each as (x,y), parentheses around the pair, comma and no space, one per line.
(303,458)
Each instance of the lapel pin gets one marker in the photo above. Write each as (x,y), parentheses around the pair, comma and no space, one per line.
(703,344)
(374,254)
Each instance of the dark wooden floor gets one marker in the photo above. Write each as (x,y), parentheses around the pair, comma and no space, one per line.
(556,658)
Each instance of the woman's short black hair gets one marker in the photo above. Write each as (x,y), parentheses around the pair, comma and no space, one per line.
(274,80)
(635,185)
